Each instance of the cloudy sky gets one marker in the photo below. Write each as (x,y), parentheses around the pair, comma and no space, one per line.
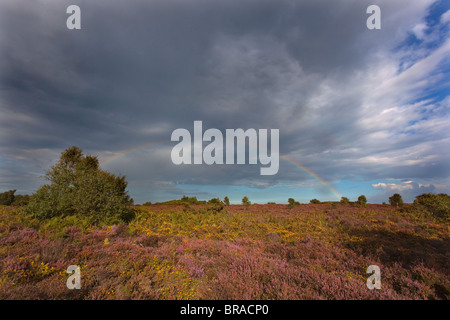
(359,111)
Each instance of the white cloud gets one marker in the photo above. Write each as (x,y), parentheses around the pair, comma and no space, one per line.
(445,17)
(419,30)
(408,185)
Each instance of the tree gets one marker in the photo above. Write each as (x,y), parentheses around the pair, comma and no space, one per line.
(226,201)
(314,201)
(292,203)
(245,201)
(79,187)
(362,200)
(7,198)
(396,200)
(345,200)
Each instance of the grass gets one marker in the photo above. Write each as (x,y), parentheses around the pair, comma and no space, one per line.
(310,251)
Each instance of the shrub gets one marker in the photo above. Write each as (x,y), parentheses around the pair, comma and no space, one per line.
(245,201)
(362,200)
(79,187)
(215,201)
(345,200)
(292,203)
(314,201)
(184,200)
(21,200)
(7,198)
(437,204)
(396,200)
(226,201)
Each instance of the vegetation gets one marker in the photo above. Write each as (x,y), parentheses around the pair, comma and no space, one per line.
(190,249)
(396,200)
(215,201)
(8,198)
(292,203)
(245,201)
(362,200)
(243,252)
(185,200)
(437,204)
(78,187)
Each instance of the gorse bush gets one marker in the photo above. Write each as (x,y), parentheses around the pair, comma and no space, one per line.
(79,187)
(437,204)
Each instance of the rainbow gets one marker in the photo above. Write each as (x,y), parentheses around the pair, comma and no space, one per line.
(312,174)
(131,150)
(284,157)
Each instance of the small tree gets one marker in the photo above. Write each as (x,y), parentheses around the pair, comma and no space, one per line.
(345,200)
(314,201)
(245,201)
(79,187)
(7,198)
(292,203)
(226,201)
(396,200)
(362,200)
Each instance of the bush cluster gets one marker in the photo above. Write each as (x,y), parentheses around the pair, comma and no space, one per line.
(437,204)
(8,198)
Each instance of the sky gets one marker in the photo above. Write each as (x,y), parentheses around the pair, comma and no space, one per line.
(359,111)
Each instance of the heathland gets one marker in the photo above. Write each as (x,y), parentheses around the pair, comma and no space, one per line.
(211,251)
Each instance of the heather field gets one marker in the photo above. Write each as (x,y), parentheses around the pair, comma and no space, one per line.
(310,251)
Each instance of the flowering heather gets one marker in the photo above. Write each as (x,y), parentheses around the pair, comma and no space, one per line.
(313,251)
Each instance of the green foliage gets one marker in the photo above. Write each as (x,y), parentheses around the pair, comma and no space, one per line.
(215,201)
(148,203)
(362,200)
(7,198)
(344,200)
(245,201)
(396,200)
(78,187)
(437,204)
(292,203)
(314,201)
(21,200)
(185,200)
(226,201)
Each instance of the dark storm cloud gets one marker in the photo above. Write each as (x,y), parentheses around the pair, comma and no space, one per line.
(137,70)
